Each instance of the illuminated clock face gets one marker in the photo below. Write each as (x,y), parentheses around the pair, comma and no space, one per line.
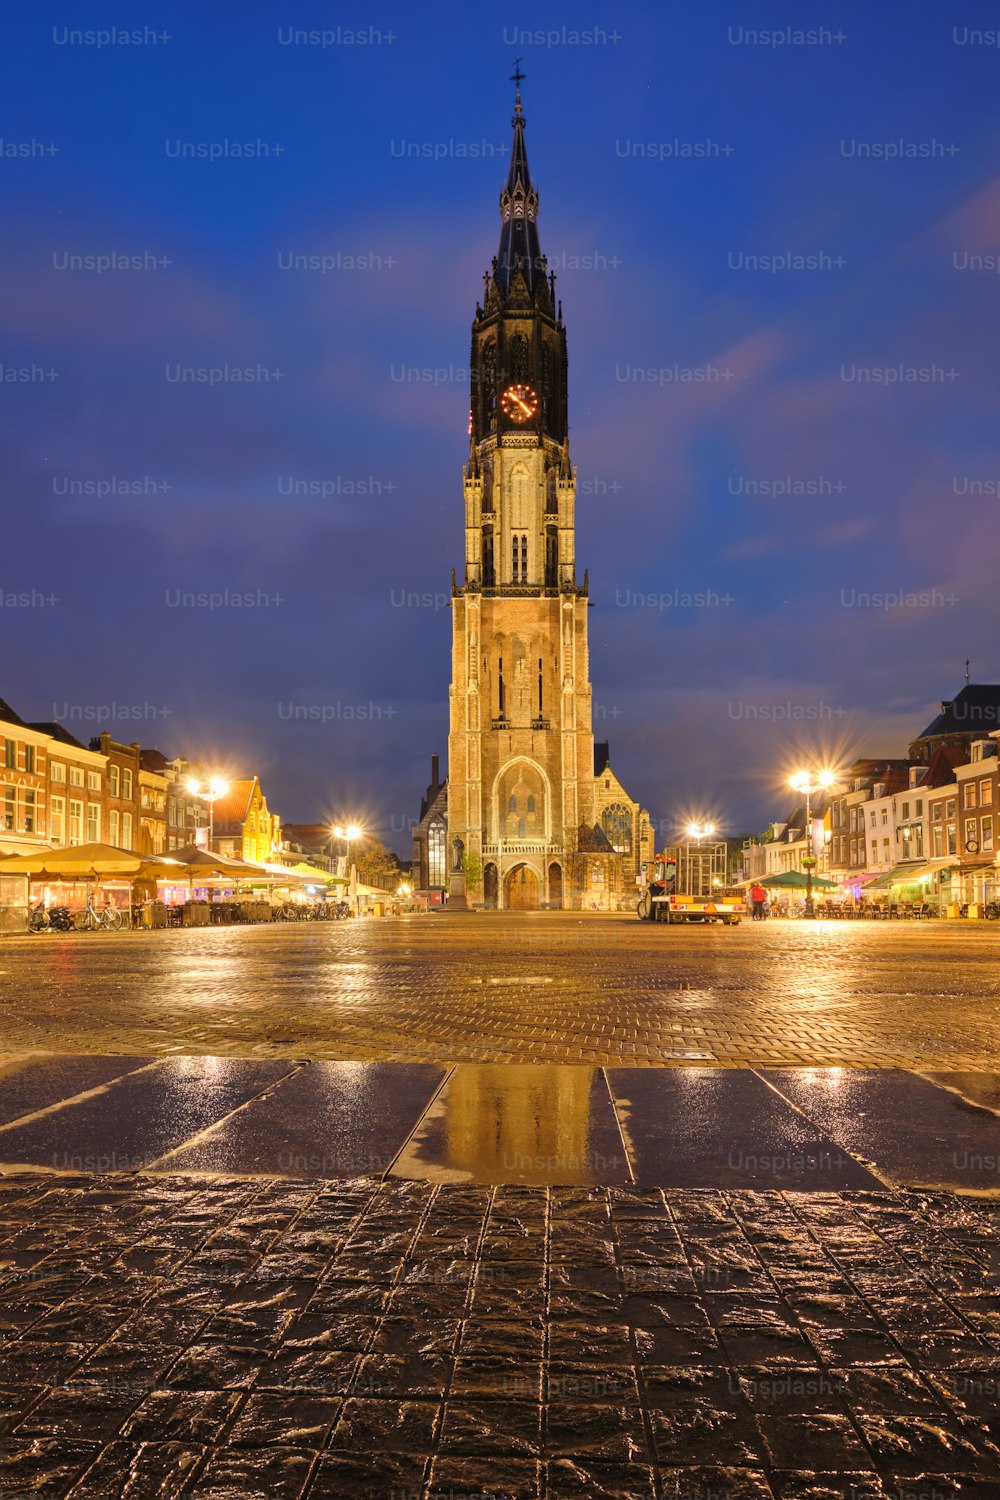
(519,402)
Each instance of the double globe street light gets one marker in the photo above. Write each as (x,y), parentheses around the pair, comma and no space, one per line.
(809,783)
(210,792)
(699,831)
(349,833)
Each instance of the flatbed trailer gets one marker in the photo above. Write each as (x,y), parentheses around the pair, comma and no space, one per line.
(688,884)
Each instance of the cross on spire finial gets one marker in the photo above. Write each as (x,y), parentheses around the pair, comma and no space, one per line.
(517,78)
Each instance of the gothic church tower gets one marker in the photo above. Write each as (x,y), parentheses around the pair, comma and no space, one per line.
(521,745)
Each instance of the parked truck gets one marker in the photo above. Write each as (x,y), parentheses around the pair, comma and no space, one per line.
(688,883)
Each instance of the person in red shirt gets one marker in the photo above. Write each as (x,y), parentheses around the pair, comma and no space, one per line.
(758,899)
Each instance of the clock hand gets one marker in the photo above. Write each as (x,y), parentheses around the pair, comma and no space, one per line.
(523,405)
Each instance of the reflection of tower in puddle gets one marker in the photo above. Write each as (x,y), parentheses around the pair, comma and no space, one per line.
(523,1124)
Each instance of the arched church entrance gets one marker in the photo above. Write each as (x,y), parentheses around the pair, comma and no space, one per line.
(522,889)
(491,887)
(555,886)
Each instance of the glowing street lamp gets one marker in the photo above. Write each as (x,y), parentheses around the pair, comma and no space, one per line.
(809,782)
(213,789)
(349,832)
(699,831)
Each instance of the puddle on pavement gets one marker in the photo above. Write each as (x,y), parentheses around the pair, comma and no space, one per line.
(915,1133)
(723,1128)
(511,1123)
(331,1119)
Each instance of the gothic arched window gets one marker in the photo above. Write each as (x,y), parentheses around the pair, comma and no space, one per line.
(520,497)
(435,852)
(519,358)
(488,380)
(551,557)
(616,822)
(489,575)
(548,385)
(551,497)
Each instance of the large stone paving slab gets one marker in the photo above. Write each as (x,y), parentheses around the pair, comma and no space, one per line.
(715,1127)
(228,1337)
(508,1124)
(28,1084)
(918,1134)
(518,987)
(124,1125)
(328,1120)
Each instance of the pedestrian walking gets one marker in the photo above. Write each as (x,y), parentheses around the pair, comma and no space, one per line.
(758,900)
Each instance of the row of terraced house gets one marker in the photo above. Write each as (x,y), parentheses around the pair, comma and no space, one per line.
(56,791)
(924,826)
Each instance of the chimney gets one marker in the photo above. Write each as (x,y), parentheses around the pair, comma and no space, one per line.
(435,782)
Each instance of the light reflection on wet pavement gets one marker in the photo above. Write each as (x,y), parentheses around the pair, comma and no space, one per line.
(572,988)
(408,1210)
(801,1129)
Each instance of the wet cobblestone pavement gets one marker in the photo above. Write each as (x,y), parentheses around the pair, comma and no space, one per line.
(231,1338)
(545,987)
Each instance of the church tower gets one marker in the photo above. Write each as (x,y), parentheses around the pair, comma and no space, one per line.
(521,774)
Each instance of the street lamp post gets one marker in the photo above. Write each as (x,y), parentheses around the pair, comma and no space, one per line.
(699,831)
(348,833)
(210,793)
(805,781)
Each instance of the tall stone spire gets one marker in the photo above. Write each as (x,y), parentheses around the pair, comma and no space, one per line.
(519,246)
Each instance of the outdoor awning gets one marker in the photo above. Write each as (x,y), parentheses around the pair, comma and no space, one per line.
(794,880)
(898,875)
(315,874)
(86,862)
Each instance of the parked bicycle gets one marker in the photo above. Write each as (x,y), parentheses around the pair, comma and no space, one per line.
(49,919)
(108,919)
